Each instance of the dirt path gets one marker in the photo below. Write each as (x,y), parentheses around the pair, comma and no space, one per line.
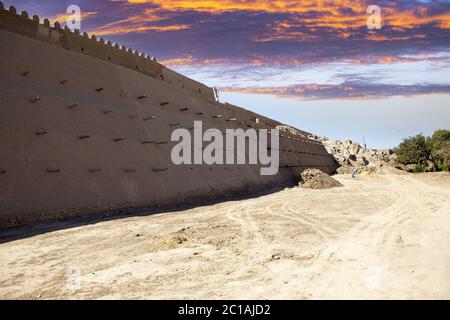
(384,236)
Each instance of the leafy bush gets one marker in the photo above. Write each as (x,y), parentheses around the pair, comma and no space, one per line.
(413,150)
(439,144)
(421,151)
(420,168)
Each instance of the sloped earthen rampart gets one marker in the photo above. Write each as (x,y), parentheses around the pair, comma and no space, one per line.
(85,127)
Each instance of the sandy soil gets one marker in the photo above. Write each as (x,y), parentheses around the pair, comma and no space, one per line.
(383,236)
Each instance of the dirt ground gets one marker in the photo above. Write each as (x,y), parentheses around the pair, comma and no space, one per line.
(380,236)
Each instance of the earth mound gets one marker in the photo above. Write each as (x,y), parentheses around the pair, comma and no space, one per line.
(316,179)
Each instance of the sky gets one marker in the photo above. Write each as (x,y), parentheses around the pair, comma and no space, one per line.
(313,64)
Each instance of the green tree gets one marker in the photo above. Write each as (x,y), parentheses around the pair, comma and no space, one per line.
(439,144)
(413,150)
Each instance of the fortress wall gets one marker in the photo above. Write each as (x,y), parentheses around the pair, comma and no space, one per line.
(98,48)
(98,137)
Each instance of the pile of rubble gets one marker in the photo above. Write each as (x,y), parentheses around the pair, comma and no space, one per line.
(352,157)
(316,179)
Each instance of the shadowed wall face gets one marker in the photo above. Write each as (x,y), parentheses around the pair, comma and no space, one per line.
(79,133)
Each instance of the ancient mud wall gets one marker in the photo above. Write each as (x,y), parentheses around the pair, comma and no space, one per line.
(85,127)
(97,48)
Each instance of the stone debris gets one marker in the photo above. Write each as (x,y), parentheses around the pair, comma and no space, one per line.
(352,157)
(316,179)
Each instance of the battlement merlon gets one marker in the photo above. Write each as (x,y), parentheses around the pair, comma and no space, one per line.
(98,48)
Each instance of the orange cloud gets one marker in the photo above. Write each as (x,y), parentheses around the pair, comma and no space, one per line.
(108,30)
(292,6)
(308,18)
(306,91)
(358,91)
(327,13)
(378,37)
(411,19)
(146,22)
(285,60)
(190,61)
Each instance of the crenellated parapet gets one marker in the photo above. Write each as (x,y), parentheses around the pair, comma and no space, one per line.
(97,47)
